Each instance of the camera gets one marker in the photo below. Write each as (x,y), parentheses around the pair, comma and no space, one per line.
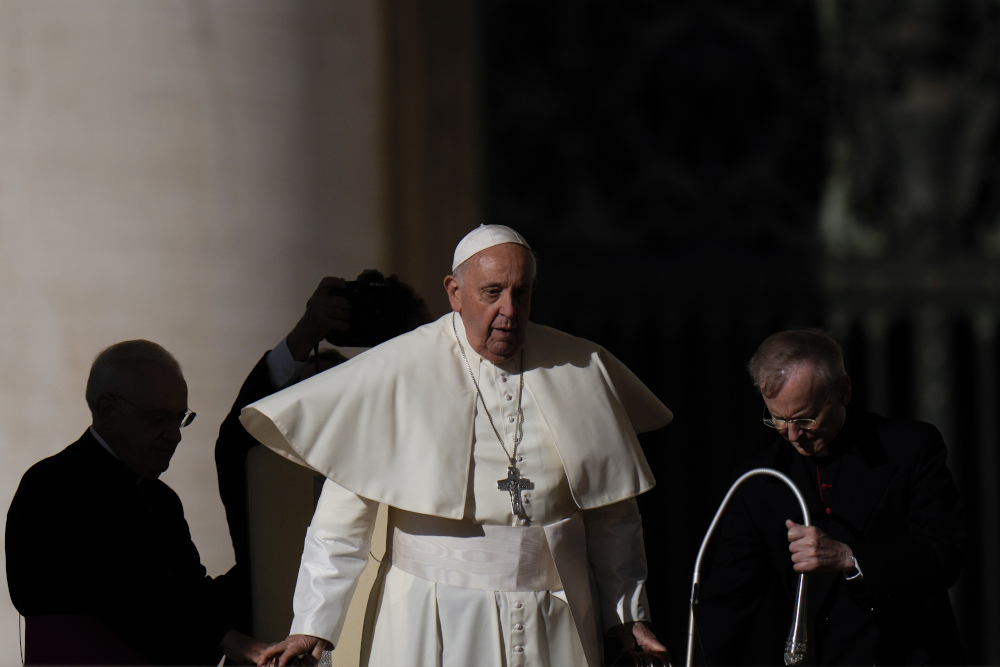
(380,309)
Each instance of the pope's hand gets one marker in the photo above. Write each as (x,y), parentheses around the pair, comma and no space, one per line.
(815,551)
(637,637)
(294,645)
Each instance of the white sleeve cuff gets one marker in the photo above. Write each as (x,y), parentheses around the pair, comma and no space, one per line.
(617,556)
(857,574)
(281,368)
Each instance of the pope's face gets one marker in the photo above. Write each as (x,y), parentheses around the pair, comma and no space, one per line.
(142,425)
(494,299)
(804,397)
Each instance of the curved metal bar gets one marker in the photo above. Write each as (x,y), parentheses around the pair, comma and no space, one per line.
(795,647)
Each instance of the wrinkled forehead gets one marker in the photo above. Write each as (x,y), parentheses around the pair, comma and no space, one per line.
(799,382)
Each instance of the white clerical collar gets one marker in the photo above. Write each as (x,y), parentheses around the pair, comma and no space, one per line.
(106,446)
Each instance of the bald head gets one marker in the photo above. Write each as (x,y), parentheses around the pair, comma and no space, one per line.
(138,399)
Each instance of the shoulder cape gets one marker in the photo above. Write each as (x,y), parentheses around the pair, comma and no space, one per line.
(395,424)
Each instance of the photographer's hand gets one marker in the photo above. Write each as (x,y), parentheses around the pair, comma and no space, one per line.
(323,314)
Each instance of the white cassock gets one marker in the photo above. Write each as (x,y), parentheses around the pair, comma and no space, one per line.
(466,581)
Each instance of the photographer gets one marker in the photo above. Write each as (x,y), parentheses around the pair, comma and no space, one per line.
(337,310)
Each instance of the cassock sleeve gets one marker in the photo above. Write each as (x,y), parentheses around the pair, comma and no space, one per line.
(336,550)
(618,560)
(925,542)
(741,595)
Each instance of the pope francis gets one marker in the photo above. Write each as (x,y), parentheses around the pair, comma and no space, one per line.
(507,454)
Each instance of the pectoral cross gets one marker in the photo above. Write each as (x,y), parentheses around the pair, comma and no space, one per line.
(514,484)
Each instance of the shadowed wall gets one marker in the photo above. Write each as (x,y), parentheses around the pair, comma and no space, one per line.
(698,175)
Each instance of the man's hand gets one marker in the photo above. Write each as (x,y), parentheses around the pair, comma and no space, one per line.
(294,645)
(323,314)
(241,649)
(815,551)
(637,636)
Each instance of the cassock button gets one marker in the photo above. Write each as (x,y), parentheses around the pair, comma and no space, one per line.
(519,649)
(503,378)
(522,522)
(508,397)
(518,605)
(510,419)
(526,500)
(520,457)
(519,626)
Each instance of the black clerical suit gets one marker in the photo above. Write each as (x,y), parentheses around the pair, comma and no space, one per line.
(87,537)
(884,490)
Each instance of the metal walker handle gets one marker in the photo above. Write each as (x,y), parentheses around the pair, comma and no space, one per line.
(795,646)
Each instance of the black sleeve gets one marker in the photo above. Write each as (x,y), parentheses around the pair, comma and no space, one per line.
(743,608)
(30,555)
(929,545)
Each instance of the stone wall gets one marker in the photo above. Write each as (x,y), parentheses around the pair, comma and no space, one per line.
(183,172)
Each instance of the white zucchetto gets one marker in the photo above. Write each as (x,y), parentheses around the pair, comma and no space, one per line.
(483,237)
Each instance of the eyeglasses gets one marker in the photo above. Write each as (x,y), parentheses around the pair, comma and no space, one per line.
(161,418)
(782,424)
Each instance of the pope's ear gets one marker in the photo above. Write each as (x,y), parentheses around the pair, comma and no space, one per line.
(451,286)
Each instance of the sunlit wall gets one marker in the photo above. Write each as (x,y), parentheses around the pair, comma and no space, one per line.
(182,171)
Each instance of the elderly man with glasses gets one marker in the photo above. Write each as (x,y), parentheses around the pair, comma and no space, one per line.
(99,556)
(886,540)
